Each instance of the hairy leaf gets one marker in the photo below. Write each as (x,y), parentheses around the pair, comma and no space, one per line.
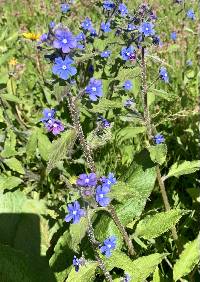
(188,259)
(44,146)
(32,144)
(15,165)
(158,153)
(185,167)
(9,182)
(85,273)
(138,269)
(153,226)
(59,148)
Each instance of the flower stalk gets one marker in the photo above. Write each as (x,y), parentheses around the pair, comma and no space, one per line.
(89,159)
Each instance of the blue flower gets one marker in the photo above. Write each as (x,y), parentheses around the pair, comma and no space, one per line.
(109,245)
(44,37)
(108,5)
(64,8)
(128,53)
(147,29)
(163,74)
(127,278)
(128,85)
(54,126)
(91,69)
(104,121)
(86,24)
(48,114)
(64,40)
(189,63)
(101,195)
(80,37)
(159,139)
(105,27)
(94,89)
(131,27)
(105,54)
(52,24)
(128,103)
(173,35)
(156,40)
(87,180)
(190,14)
(76,263)
(93,32)
(64,68)
(109,181)
(123,9)
(75,212)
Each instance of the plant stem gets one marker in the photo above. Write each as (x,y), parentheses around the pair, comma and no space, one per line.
(122,230)
(88,155)
(92,240)
(76,122)
(150,131)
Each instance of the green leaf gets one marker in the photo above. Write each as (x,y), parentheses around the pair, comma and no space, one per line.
(156,275)
(129,132)
(32,144)
(9,182)
(138,269)
(9,145)
(105,105)
(59,148)
(127,73)
(44,146)
(11,98)
(188,259)
(77,232)
(186,167)
(158,153)
(121,192)
(85,273)
(153,226)
(15,165)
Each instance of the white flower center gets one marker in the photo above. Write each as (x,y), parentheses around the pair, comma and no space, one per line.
(55,125)
(87,180)
(100,195)
(49,114)
(128,53)
(64,41)
(147,28)
(109,182)
(64,67)
(109,246)
(74,212)
(94,89)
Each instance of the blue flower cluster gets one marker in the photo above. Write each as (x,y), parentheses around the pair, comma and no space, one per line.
(51,124)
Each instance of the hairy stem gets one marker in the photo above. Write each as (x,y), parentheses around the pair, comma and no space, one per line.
(88,155)
(150,132)
(122,230)
(92,240)
(76,122)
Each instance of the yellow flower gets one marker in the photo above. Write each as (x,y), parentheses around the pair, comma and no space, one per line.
(31,35)
(13,62)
